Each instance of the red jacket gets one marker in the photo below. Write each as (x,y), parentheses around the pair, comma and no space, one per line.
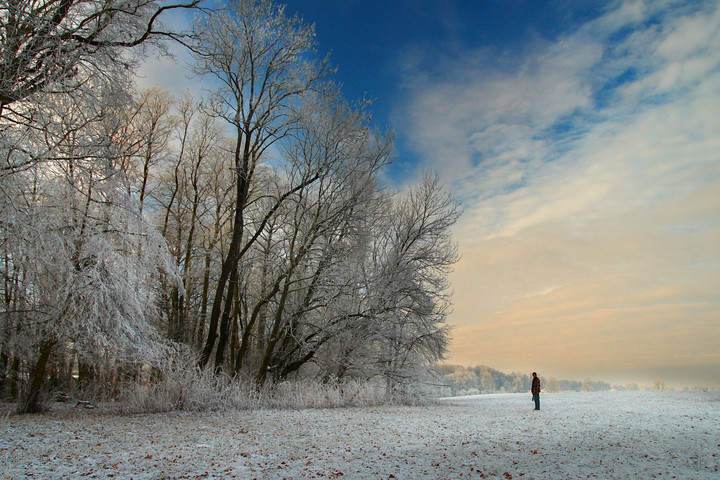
(535,385)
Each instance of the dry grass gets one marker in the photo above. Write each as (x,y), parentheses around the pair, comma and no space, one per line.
(186,388)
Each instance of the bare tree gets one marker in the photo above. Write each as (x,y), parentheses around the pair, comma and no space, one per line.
(323,235)
(262,62)
(56,44)
(407,286)
(152,127)
(186,197)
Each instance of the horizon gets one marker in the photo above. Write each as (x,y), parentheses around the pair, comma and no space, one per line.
(583,141)
(642,382)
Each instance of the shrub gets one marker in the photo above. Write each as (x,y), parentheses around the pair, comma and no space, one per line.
(182,386)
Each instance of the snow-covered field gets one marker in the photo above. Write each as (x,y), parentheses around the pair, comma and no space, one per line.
(575,436)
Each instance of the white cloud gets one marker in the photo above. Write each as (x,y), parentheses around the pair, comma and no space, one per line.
(169,70)
(509,161)
(483,116)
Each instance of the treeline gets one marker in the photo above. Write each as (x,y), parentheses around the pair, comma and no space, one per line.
(246,228)
(459,380)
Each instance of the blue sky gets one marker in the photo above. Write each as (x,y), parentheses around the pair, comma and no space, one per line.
(384,49)
(583,140)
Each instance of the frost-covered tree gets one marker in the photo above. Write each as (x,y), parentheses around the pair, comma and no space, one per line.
(364,290)
(146,140)
(80,262)
(263,62)
(86,261)
(293,259)
(407,286)
(318,238)
(57,44)
(191,193)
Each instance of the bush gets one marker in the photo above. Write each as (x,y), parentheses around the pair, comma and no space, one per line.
(316,394)
(182,386)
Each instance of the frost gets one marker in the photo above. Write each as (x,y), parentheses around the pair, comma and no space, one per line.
(578,435)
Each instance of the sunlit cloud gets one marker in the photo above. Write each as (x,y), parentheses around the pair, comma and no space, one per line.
(589,170)
(169,73)
(169,68)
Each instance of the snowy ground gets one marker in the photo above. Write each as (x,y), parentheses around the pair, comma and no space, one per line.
(575,436)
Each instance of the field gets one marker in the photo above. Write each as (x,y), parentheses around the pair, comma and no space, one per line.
(575,436)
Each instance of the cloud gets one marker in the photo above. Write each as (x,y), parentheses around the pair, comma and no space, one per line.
(589,172)
(169,69)
(168,72)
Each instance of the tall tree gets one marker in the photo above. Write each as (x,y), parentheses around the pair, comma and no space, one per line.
(263,62)
(152,127)
(321,234)
(89,260)
(82,258)
(185,193)
(405,295)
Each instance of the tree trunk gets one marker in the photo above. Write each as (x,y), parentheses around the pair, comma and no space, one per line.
(200,332)
(4,374)
(14,378)
(230,263)
(85,374)
(225,323)
(275,336)
(295,366)
(236,252)
(245,342)
(181,328)
(31,403)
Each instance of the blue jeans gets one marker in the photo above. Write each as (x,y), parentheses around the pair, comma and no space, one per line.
(536,399)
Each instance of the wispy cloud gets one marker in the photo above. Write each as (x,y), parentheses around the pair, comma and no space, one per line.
(589,169)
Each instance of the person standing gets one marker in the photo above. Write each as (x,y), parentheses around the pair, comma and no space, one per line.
(535,389)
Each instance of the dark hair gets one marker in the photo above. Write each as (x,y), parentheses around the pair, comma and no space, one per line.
(535,374)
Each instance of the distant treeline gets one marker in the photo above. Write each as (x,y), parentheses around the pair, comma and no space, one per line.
(458,380)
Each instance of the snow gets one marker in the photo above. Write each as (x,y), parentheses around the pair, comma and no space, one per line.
(578,435)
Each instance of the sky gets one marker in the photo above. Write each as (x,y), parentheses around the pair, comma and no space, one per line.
(582,139)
